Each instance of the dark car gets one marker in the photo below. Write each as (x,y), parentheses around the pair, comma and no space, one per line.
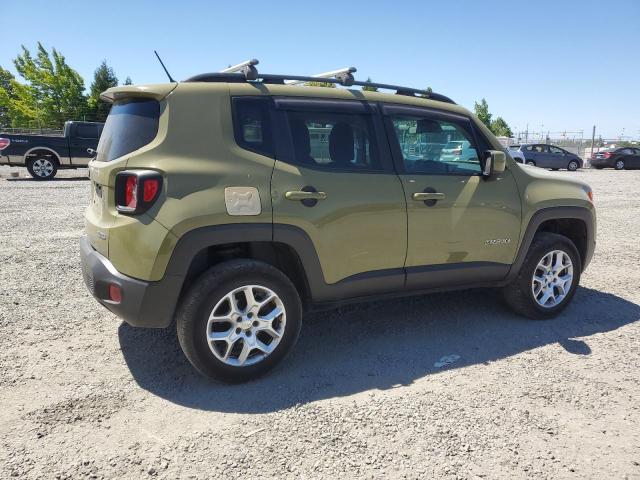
(550,156)
(624,158)
(43,155)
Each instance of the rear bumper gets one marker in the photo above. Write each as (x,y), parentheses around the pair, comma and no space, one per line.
(597,162)
(143,304)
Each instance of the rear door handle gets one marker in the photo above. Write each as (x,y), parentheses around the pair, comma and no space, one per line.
(425,196)
(298,195)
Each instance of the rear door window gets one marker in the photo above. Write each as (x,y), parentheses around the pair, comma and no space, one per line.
(334,140)
(87,131)
(131,125)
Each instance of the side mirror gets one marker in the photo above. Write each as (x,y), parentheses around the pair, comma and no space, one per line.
(495,162)
(91,152)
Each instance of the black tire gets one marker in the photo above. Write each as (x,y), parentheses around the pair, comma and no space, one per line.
(519,295)
(619,165)
(555,169)
(42,173)
(208,290)
(573,165)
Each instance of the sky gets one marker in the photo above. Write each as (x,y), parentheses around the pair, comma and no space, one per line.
(552,65)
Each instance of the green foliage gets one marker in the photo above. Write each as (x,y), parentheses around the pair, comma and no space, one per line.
(429,91)
(103,79)
(127,81)
(54,91)
(6,93)
(482,112)
(500,128)
(369,88)
(320,84)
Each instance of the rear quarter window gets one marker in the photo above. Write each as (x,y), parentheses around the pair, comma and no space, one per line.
(131,125)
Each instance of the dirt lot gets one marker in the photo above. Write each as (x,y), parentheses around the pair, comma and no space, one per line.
(85,396)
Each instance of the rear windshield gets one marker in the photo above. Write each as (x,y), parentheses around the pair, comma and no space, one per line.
(131,124)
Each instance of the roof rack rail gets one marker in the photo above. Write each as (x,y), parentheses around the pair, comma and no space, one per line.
(342,77)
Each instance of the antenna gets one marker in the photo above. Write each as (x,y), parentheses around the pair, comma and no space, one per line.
(165,68)
(343,75)
(247,68)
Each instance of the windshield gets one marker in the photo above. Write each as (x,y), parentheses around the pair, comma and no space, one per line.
(131,124)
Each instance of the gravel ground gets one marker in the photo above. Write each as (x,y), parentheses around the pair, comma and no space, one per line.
(85,396)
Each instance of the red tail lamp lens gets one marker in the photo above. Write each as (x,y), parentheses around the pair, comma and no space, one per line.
(131,192)
(4,143)
(115,293)
(150,189)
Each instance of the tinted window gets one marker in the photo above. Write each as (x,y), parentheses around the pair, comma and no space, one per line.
(333,140)
(131,124)
(431,145)
(627,151)
(87,131)
(252,126)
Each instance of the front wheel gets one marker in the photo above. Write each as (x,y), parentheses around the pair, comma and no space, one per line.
(239,320)
(573,166)
(42,168)
(619,165)
(548,278)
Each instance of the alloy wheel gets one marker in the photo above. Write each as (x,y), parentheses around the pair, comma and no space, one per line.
(43,167)
(619,165)
(246,325)
(552,279)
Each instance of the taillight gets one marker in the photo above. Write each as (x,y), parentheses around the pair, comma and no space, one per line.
(607,154)
(4,143)
(137,190)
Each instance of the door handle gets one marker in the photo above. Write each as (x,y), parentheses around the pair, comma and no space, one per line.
(426,196)
(298,195)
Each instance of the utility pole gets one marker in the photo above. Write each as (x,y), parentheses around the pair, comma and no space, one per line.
(593,139)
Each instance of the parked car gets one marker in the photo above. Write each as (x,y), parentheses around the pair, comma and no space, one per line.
(516,154)
(459,151)
(211,208)
(43,155)
(624,158)
(550,156)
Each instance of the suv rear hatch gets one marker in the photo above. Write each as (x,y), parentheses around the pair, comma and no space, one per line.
(132,124)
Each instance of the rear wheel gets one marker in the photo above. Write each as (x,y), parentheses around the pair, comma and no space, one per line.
(42,168)
(548,278)
(239,320)
(573,165)
(619,165)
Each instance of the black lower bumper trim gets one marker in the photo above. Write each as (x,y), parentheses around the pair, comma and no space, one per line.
(143,304)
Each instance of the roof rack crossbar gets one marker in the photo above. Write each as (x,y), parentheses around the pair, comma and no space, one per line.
(344,76)
(246,68)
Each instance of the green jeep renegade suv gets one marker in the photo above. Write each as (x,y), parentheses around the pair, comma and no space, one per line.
(233,203)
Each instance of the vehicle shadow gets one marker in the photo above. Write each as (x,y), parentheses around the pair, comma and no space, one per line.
(378,345)
(56,179)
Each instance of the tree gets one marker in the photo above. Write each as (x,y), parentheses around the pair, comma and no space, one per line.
(500,128)
(6,93)
(103,78)
(127,81)
(482,112)
(53,88)
(369,88)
